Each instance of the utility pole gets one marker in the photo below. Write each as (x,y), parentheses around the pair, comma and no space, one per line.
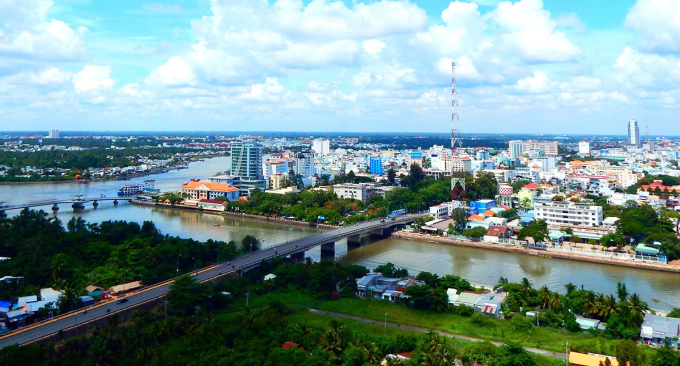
(178,264)
(386,324)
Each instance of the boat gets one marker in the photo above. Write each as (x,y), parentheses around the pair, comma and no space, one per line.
(145,187)
(82,181)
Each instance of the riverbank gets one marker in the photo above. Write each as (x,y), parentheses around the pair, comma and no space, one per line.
(536,253)
(230,213)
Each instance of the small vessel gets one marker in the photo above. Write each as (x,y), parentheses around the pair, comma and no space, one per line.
(82,181)
(146,187)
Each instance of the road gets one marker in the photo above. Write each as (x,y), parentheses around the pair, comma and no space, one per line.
(36,331)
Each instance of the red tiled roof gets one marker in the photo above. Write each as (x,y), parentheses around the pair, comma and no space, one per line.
(496,230)
(475,217)
(212,201)
(289,345)
(531,186)
(488,213)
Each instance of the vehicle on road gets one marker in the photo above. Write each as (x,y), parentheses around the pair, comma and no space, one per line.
(122,301)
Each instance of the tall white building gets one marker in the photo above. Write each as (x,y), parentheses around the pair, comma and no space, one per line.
(633,132)
(569,213)
(54,133)
(321,146)
(584,148)
(516,149)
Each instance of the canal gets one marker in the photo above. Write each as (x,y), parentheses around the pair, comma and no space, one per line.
(661,290)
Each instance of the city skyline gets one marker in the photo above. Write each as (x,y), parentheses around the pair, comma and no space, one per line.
(325,66)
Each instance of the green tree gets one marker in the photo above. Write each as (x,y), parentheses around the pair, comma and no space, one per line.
(627,353)
(250,244)
(186,294)
(460,219)
(665,356)
(475,233)
(391,176)
(512,354)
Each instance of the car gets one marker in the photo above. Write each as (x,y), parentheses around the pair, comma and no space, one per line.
(122,301)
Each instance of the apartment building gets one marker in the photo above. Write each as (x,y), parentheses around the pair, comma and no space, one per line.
(548,147)
(554,213)
(361,191)
(625,176)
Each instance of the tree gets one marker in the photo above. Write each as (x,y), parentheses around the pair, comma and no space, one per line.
(250,244)
(475,233)
(512,354)
(391,176)
(185,294)
(627,353)
(665,356)
(460,218)
(621,291)
(538,230)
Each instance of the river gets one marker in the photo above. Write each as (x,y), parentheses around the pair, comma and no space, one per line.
(661,290)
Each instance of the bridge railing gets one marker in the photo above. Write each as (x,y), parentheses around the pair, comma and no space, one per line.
(242,256)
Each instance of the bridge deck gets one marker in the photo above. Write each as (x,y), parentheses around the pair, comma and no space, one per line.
(46,328)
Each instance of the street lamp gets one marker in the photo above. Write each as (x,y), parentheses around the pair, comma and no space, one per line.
(178,264)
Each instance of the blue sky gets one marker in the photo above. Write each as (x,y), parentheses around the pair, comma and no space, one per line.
(321,65)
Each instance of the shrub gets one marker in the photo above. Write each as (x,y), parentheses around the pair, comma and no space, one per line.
(465,310)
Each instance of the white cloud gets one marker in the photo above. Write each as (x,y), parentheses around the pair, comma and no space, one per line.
(657,21)
(175,72)
(269,91)
(26,31)
(373,46)
(93,78)
(537,84)
(634,69)
(528,31)
(51,76)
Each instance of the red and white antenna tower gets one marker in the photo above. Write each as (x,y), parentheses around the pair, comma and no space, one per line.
(457,171)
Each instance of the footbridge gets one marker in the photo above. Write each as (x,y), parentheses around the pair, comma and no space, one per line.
(294,249)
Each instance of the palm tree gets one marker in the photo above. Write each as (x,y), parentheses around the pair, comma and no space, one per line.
(608,306)
(333,339)
(544,296)
(555,302)
(637,308)
(526,287)
(437,357)
(570,288)
(591,303)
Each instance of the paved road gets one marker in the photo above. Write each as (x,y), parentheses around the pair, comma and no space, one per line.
(37,331)
(539,351)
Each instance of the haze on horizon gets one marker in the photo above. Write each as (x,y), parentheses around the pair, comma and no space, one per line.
(578,67)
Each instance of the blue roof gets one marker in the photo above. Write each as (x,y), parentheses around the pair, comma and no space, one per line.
(5,304)
(527,214)
(526,220)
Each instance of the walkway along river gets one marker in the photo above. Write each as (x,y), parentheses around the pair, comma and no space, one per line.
(476,265)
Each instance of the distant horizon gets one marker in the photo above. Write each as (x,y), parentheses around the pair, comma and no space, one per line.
(315,134)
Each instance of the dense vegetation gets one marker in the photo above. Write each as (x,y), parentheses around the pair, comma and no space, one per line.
(418,193)
(46,253)
(206,327)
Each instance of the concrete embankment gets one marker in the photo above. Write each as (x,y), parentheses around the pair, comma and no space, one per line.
(228,213)
(537,253)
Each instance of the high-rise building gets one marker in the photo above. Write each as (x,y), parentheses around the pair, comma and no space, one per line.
(633,132)
(548,147)
(54,133)
(321,146)
(516,149)
(584,148)
(375,165)
(304,163)
(246,162)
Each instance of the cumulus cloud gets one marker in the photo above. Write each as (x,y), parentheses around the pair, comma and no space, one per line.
(373,46)
(528,31)
(657,22)
(537,84)
(27,31)
(175,72)
(636,69)
(93,78)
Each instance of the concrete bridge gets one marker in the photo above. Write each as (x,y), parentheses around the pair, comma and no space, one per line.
(295,249)
(77,203)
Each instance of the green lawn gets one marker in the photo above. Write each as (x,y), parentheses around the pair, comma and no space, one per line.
(496,329)
(378,331)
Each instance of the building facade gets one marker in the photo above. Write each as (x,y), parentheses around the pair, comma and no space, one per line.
(208,190)
(304,163)
(54,134)
(375,165)
(246,162)
(362,191)
(321,146)
(554,213)
(584,148)
(516,149)
(549,148)
(633,132)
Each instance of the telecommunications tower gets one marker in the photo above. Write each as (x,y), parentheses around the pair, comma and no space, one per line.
(457,171)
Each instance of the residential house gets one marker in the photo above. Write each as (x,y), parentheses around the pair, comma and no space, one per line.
(212,205)
(660,330)
(496,232)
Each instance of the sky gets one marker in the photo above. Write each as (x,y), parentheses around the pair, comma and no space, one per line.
(528,66)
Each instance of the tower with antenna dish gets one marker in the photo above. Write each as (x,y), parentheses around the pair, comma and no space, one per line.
(457,170)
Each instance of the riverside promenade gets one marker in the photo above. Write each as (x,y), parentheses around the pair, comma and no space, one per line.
(562,254)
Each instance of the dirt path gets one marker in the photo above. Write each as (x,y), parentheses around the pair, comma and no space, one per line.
(539,351)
